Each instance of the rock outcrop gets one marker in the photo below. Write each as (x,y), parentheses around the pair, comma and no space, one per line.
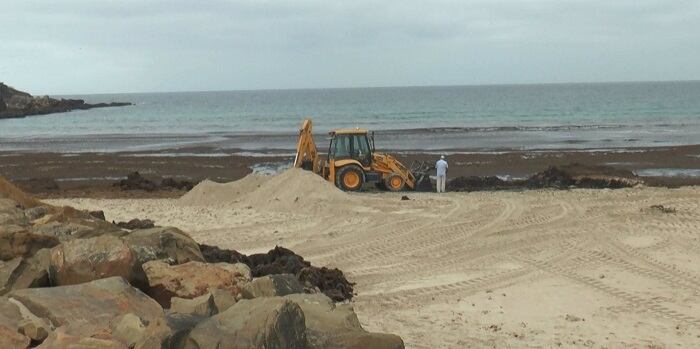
(22,273)
(276,285)
(10,318)
(23,243)
(193,279)
(18,104)
(270,323)
(89,309)
(84,260)
(69,279)
(336,327)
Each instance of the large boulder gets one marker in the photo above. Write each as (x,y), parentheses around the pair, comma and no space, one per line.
(272,285)
(193,279)
(23,243)
(336,327)
(223,299)
(32,326)
(180,326)
(11,229)
(269,323)
(11,213)
(168,243)
(136,332)
(200,306)
(70,225)
(61,339)
(84,260)
(22,273)
(37,212)
(8,272)
(119,254)
(89,309)
(10,319)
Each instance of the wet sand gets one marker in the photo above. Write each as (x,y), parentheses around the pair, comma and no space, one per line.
(92,174)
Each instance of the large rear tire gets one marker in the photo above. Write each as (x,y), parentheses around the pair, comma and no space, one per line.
(350,178)
(394,182)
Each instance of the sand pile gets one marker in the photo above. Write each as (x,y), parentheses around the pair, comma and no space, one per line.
(213,193)
(294,190)
(297,190)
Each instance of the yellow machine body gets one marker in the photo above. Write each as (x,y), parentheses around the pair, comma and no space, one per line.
(352,160)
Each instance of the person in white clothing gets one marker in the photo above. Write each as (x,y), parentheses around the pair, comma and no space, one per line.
(441,167)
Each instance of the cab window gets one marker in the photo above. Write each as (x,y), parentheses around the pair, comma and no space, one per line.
(360,146)
(341,147)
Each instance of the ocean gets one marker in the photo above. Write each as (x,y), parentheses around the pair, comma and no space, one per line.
(441,119)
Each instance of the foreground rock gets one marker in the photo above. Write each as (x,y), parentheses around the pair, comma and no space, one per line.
(270,323)
(84,260)
(336,327)
(67,223)
(136,224)
(169,244)
(22,273)
(272,286)
(89,309)
(12,213)
(193,279)
(10,319)
(18,104)
(61,339)
(72,280)
(23,243)
(203,306)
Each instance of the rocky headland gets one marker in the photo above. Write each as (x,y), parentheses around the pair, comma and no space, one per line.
(18,104)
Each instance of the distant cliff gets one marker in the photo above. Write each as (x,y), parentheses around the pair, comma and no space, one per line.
(18,104)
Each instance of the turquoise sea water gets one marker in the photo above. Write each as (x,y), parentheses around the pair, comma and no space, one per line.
(477,118)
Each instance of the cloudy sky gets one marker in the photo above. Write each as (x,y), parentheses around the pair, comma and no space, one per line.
(88,46)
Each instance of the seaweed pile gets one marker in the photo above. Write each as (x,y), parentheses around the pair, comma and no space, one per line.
(569,176)
(331,282)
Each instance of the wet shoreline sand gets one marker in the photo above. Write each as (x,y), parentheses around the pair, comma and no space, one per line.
(92,174)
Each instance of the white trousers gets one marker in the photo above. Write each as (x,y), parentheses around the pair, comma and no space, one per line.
(441,183)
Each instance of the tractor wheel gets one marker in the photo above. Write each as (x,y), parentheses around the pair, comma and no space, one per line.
(394,182)
(350,178)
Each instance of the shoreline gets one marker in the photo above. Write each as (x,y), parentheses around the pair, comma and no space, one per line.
(92,174)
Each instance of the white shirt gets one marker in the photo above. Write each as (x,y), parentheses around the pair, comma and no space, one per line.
(441,166)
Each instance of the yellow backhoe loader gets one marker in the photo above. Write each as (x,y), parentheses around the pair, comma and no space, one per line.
(352,161)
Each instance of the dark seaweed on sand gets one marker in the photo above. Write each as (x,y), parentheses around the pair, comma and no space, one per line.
(331,282)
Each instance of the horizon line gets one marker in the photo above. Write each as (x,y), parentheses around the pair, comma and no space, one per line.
(378,87)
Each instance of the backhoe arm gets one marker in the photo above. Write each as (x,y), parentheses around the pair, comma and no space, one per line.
(307,153)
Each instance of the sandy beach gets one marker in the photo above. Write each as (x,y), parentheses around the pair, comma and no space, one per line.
(513,269)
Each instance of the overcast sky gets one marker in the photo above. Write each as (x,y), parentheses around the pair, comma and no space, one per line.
(94,46)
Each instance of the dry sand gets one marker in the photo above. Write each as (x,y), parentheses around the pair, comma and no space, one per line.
(580,268)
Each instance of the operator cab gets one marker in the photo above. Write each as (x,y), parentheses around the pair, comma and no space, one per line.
(351,144)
